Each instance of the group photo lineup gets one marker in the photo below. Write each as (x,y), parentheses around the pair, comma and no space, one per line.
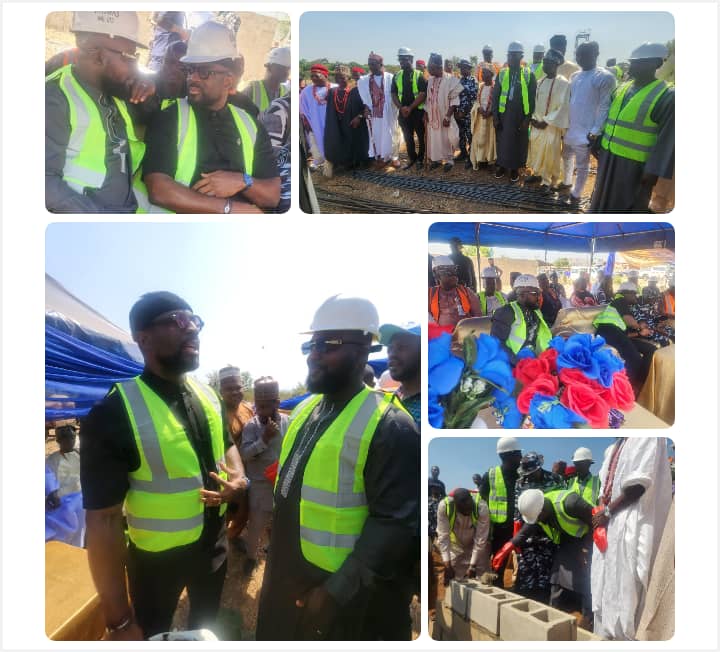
(487,112)
(167,112)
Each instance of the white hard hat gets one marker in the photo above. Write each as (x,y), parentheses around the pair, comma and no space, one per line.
(649,51)
(516,46)
(115,24)
(582,454)
(405,52)
(346,313)
(280,56)
(627,286)
(210,42)
(526,281)
(487,47)
(507,445)
(530,504)
(442,261)
(539,48)
(490,272)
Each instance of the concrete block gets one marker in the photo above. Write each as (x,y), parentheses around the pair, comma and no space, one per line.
(527,620)
(484,606)
(456,597)
(585,635)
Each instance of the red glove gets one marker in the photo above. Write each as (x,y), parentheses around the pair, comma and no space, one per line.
(501,556)
(516,527)
(600,533)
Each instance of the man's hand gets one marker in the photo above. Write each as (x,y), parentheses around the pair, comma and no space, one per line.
(320,609)
(471,572)
(446,121)
(538,124)
(600,519)
(140,90)
(131,633)
(272,430)
(448,573)
(404,111)
(234,485)
(242,208)
(220,183)
(524,125)
(355,122)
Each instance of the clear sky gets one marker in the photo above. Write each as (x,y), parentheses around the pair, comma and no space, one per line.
(256,284)
(350,36)
(460,457)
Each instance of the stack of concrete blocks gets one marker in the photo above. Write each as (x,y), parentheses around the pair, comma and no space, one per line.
(473,611)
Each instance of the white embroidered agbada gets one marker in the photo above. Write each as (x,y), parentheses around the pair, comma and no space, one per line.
(314,108)
(482,148)
(552,100)
(620,576)
(383,118)
(442,93)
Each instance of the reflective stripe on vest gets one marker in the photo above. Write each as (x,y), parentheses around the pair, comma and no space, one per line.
(518,331)
(163,503)
(568,524)
(505,89)
(588,489)
(497,498)
(483,300)
(610,316)
(552,533)
(85,154)
(399,85)
(452,513)
(629,130)
(434,300)
(333,504)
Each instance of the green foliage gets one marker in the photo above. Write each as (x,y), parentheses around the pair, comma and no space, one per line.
(562,262)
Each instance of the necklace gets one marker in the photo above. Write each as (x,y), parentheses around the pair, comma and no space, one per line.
(341,104)
(319,100)
(547,105)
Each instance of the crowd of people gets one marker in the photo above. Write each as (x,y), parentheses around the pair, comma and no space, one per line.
(634,322)
(174,472)
(178,137)
(581,542)
(543,119)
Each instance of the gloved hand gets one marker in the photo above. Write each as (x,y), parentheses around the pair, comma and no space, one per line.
(501,556)
(516,527)
(600,531)
(448,574)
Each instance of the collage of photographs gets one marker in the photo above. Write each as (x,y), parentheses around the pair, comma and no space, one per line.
(230,456)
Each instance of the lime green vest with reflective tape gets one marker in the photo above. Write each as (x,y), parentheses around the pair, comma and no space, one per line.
(451,512)
(85,154)
(483,300)
(552,532)
(333,504)
(259,94)
(399,85)
(629,130)
(568,524)
(163,503)
(518,331)
(504,75)
(610,316)
(498,496)
(187,145)
(539,72)
(589,489)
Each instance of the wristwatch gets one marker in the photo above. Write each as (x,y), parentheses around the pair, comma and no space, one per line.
(607,513)
(248,182)
(121,626)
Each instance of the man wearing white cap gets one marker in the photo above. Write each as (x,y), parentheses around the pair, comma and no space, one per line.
(408,91)
(621,330)
(346,520)
(585,483)
(232,390)
(89,166)
(443,99)
(520,324)
(203,154)
(449,301)
(638,139)
(487,63)
(536,67)
(277,71)
(490,297)
(513,105)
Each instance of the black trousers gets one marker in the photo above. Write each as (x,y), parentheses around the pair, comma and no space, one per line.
(636,352)
(156,581)
(412,125)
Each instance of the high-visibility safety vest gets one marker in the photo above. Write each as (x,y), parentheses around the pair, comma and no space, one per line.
(629,131)
(498,496)
(568,524)
(610,316)
(451,512)
(187,145)
(669,304)
(504,75)
(163,503)
(518,331)
(259,94)
(434,300)
(619,72)
(416,74)
(483,300)
(85,154)
(589,489)
(333,504)
(539,72)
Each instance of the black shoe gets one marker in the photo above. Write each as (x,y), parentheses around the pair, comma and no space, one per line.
(409,165)
(563,186)
(573,202)
(499,172)
(514,176)
(249,565)
(447,167)
(533,179)
(544,190)
(468,164)
(434,165)
(419,165)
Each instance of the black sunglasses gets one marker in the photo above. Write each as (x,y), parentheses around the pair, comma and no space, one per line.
(326,346)
(202,73)
(180,319)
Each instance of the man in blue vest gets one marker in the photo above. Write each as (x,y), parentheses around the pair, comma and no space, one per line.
(203,154)
(346,523)
(91,149)
(638,140)
(155,451)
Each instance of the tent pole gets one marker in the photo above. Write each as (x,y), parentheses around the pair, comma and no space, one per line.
(477,252)
(592,255)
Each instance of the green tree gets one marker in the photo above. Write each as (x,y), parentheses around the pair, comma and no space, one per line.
(562,262)
(473,60)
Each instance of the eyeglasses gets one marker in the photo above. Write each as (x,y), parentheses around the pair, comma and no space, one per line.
(202,73)
(532,293)
(446,272)
(130,58)
(326,346)
(180,319)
